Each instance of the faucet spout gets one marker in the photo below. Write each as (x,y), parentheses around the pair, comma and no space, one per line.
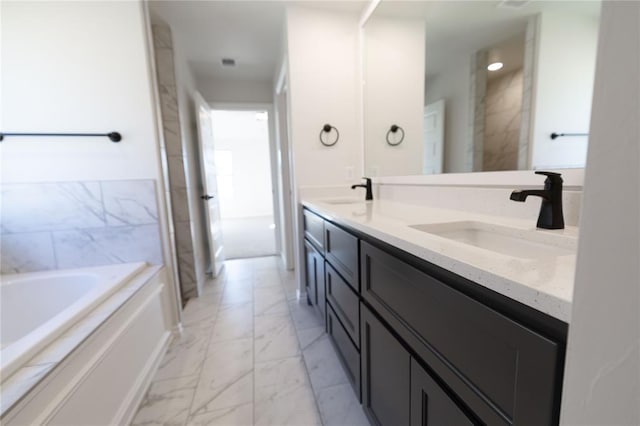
(551,215)
(521,195)
(367,186)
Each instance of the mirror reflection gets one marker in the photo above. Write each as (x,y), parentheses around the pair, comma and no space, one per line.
(477,85)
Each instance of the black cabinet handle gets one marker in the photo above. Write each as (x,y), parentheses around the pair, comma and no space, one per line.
(207,197)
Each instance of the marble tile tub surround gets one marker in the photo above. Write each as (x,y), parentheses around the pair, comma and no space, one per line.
(64,225)
(544,283)
(250,354)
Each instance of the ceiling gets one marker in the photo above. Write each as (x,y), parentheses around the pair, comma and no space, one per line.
(251,32)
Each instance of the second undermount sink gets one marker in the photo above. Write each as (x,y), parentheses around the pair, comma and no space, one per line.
(521,243)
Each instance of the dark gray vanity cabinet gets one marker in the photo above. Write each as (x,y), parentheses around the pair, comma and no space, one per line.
(430,405)
(386,374)
(424,346)
(341,250)
(505,372)
(314,265)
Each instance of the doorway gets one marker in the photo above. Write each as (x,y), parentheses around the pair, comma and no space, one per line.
(244,176)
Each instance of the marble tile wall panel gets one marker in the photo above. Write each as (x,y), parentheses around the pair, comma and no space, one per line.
(76,224)
(130,202)
(26,252)
(527,93)
(476,123)
(51,206)
(502,122)
(173,161)
(105,246)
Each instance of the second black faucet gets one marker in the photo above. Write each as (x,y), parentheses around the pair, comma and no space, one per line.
(367,186)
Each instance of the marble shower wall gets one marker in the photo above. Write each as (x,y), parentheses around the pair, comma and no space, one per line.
(503,106)
(173,156)
(46,226)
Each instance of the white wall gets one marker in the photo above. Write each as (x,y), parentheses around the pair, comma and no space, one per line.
(563,87)
(453,87)
(393,94)
(602,377)
(322,49)
(249,193)
(235,91)
(76,67)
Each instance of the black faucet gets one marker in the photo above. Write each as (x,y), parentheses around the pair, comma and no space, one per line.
(551,216)
(367,185)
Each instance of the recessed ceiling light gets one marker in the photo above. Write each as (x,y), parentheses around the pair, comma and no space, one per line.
(495,66)
(228,62)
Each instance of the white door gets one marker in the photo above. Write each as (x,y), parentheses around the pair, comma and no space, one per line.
(209,185)
(433,137)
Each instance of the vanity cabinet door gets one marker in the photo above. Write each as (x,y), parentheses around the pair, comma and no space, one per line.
(385,374)
(313,229)
(341,250)
(346,350)
(430,405)
(344,302)
(314,264)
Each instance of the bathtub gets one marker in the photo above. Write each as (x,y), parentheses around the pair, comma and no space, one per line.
(36,308)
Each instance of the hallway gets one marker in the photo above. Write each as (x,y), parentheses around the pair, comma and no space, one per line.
(250,354)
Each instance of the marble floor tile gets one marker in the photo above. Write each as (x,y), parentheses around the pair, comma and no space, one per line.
(283,395)
(237,292)
(186,353)
(167,402)
(233,322)
(251,354)
(269,300)
(339,406)
(304,316)
(226,371)
(236,393)
(237,269)
(309,335)
(275,338)
(213,286)
(200,309)
(240,415)
(267,262)
(323,364)
(267,278)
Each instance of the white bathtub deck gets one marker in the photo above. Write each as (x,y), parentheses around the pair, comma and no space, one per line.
(26,378)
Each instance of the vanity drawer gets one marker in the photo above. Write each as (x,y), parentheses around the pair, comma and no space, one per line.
(314,229)
(504,371)
(347,352)
(341,250)
(344,302)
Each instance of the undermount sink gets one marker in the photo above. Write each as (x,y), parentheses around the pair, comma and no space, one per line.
(343,201)
(522,243)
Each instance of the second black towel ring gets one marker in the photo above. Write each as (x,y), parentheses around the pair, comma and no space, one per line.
(394,129)
(327,129)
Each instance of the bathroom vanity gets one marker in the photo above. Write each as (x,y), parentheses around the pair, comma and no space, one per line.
(438,331)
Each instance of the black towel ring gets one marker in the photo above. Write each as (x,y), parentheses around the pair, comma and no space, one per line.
(327,129)
(394,129)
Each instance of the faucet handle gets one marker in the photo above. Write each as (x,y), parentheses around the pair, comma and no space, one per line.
(552,177)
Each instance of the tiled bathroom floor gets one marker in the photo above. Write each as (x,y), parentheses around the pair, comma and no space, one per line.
(250,354)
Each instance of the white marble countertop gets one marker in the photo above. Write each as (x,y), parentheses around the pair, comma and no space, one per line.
(545,283)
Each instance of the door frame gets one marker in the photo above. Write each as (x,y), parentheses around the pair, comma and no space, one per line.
(256,106)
